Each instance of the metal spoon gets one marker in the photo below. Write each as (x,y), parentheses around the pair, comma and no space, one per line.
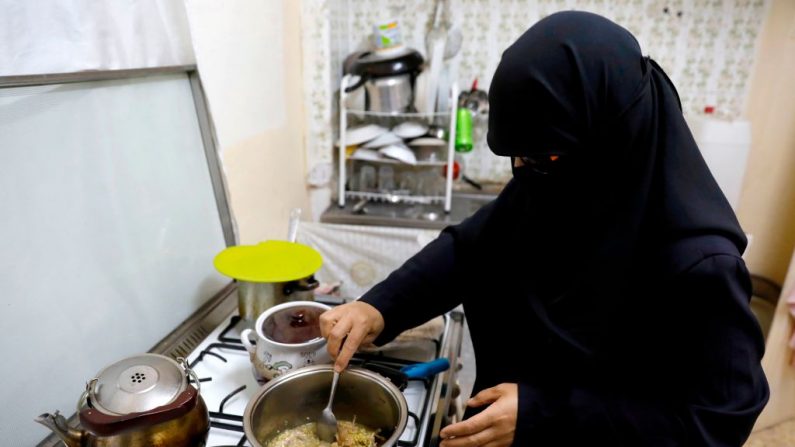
(327,424)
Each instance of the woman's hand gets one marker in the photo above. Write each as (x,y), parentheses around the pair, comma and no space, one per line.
(493,427)
(348,326)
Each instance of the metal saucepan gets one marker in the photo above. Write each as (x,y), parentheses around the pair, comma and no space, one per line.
(299,397)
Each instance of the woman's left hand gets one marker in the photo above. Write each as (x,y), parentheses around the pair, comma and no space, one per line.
(493,427)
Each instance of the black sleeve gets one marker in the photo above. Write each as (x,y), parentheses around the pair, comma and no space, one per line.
(724,389)
(422,288)
(430,282)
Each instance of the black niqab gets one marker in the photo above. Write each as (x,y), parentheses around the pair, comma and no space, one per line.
(633,180)
(610,290)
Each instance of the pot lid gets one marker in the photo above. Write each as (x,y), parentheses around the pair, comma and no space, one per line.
(270,261)
(296,323)
(137,384)
(378,63)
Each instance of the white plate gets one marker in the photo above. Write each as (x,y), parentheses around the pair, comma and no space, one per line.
(362,134)
(399,152)
(385,139)
(428,141)
(366,154)
(410,129)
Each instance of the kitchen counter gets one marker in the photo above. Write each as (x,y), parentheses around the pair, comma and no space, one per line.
(404,215)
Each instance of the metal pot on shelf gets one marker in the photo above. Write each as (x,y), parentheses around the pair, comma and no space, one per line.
(270,273)
(387,76)
(143,400)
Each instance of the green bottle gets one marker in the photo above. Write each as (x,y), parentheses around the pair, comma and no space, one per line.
(463,130)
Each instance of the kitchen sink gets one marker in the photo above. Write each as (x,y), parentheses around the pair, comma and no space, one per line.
(406,215)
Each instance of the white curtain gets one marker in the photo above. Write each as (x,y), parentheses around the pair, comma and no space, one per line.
(61,36)
(361,256)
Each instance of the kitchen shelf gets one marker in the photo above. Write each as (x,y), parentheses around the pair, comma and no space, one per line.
(345,162)
(390,161)
(416,115)
(395,198)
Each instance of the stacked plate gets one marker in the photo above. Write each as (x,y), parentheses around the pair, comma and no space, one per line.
(408,142)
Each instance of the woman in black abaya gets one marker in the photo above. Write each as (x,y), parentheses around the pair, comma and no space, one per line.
(604,288)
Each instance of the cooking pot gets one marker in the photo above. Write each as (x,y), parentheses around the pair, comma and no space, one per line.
(299,397)
(287,337)
(145,400)
(269,273)
(254,298)
(388,78)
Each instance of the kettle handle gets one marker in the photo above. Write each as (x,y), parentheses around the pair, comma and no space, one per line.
(189,373)
(104,424)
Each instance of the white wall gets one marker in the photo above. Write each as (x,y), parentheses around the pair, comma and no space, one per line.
(767,206)
(249,56)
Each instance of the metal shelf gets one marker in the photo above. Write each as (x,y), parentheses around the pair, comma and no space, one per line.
(395,198)
(390,161)
(398,114)
(343,158)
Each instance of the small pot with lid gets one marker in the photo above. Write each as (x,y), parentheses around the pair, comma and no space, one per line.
(145,400)
(287,338)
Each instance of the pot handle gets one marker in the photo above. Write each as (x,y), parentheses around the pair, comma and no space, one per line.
(302,285)
(359,82)
(104,424)
(250,347)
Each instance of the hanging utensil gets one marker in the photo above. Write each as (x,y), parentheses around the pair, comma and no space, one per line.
(292,226)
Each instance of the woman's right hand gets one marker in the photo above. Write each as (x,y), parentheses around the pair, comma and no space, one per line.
(347,327)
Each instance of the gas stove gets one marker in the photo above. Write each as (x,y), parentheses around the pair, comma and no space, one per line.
(227,381)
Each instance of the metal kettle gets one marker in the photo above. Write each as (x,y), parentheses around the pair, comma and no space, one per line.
(145,400)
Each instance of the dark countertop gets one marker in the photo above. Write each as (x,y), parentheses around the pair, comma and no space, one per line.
(410,216)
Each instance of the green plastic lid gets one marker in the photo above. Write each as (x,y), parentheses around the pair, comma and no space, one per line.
(270,261)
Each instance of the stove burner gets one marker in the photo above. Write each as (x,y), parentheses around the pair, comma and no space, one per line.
(208,351)
(378,362)
(229,417)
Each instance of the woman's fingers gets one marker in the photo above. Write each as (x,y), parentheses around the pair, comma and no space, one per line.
(486,396)
(337,335)
(350,346)
(475,424)
(346,327)
(327,321)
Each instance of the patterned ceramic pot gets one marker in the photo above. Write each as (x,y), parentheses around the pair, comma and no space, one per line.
(287,338)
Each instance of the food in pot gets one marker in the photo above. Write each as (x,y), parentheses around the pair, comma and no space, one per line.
(349,434)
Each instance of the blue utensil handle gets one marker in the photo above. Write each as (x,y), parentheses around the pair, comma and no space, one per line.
(427,369)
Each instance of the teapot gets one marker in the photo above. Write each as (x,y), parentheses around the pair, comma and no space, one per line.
(144,400)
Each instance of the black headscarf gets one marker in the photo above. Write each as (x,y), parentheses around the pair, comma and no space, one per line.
(631,183)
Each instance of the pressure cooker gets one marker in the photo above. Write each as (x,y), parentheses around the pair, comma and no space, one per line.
(387,76)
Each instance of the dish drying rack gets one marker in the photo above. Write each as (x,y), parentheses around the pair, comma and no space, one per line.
(345,163)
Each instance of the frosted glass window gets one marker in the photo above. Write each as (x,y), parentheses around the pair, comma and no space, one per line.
(108,230)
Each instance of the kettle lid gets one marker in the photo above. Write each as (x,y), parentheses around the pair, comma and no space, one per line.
(137,384)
